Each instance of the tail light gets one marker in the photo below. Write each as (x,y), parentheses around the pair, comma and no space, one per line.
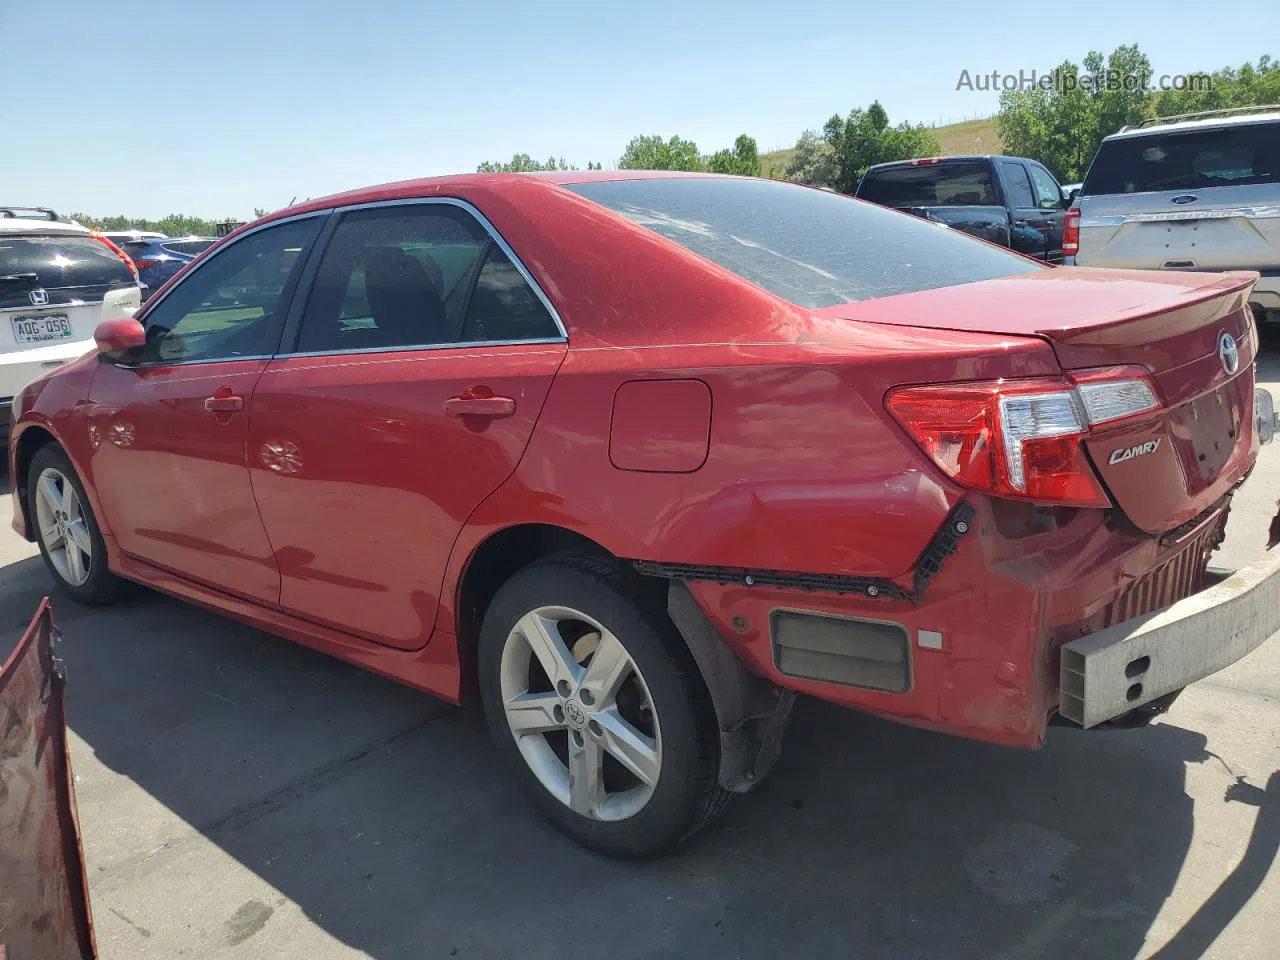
(127,260)
(1071,232)
(1023,439)
(144,263)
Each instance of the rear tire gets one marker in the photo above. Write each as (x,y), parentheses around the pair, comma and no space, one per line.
(623,706)
(67,531)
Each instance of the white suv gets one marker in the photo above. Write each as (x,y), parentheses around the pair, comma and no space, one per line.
(57,282)
(1197,192)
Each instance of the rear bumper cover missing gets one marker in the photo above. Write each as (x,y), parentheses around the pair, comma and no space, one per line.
(1109,673)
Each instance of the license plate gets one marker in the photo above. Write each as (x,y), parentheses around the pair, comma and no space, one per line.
(49,326)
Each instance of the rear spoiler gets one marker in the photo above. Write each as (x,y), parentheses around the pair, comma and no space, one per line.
(44,899)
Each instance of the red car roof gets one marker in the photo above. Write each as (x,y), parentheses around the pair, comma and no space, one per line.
(490,182)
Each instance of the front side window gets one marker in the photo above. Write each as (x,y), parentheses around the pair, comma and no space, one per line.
(1048,193)
(230,305)
(407,276)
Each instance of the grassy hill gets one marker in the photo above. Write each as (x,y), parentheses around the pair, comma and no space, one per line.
(971,136)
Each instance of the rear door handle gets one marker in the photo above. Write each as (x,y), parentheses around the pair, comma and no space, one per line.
(224,401)
(479,406)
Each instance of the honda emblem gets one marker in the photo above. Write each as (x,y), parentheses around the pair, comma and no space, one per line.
(39,297)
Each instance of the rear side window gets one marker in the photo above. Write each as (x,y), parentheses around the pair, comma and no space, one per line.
(55,263)
(811,247)
(930,185)
(409,276)
(503,306)
(1248,153)
(1016,184)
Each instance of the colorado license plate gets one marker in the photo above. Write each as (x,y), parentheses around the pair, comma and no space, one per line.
(48,326)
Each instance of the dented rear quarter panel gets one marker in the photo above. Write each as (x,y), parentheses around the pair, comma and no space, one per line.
(805,471)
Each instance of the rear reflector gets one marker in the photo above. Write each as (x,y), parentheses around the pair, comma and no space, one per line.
(1023,439)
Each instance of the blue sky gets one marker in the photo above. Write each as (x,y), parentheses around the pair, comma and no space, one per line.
(213,108)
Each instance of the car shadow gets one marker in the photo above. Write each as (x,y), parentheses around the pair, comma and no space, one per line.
(382,814)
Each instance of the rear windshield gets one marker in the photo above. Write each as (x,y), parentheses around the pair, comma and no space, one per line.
(1248,153)
(57,261)
(930,185)
(811,247)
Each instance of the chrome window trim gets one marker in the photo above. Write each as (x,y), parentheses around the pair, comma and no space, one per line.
(418,348)
(494,235)
(191,363)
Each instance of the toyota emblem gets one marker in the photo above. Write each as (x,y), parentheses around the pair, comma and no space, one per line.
(1228,353)
(39,297)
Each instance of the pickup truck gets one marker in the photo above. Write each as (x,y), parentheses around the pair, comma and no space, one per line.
(1011,201)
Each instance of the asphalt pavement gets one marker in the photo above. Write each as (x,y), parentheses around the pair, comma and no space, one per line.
(243,797)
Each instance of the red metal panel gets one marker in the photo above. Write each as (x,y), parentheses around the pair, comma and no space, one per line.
(44,902)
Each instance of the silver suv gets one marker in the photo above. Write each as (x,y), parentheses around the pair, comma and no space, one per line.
(1195,192)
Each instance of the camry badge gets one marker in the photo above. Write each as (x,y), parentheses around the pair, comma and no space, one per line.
(1138,450)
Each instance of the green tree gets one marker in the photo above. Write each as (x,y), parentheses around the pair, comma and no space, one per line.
(174,225)
(814,161)
(1246,86)
(864,138)
(654,153)
(523,163)
(1119,88)
(1056,124)
(743,160)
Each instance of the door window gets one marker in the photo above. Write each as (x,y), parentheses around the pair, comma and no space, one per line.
(229,307)
(1016,184)
(405,276)
(1048,193)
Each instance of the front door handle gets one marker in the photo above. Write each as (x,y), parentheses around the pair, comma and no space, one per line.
(224,401)
(479,405)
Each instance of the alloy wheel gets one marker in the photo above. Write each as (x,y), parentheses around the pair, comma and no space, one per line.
(581,713)
(63,531)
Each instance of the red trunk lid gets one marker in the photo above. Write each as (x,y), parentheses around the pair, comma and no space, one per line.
(1162,470)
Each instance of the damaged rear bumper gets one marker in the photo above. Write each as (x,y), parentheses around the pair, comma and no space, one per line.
(1109,673)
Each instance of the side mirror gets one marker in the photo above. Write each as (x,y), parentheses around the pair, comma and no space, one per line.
(118,338)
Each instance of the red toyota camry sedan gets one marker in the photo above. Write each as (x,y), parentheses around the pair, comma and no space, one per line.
(639,457)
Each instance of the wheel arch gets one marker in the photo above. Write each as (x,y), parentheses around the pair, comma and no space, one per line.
(494,561)
(32,439)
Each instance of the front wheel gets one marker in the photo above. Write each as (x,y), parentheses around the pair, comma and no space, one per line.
(598,708)
(67,531)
